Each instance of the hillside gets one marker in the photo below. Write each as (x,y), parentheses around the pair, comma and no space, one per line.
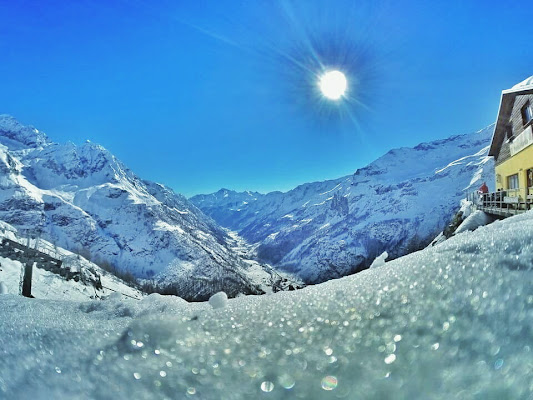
(82,198)
(84,282)
(398,204)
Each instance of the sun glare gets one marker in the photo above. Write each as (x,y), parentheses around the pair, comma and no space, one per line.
(333,84)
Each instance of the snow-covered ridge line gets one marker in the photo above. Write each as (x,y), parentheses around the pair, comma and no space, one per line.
(84,199)
(398,204)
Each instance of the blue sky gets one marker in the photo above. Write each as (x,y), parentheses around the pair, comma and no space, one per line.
(201,95)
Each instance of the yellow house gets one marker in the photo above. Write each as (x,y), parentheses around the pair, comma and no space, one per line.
(512,143)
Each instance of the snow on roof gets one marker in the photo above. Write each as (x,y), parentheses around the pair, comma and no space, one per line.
(524,84)
(506,105)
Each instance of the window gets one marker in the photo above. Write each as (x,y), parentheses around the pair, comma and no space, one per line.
(512,181)
(529,174)
(527,113)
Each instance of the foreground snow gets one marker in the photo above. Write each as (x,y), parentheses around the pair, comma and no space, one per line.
(451,321)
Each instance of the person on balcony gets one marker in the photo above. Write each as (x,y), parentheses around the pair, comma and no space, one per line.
(482,191)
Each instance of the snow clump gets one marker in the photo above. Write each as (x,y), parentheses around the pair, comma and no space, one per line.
(218,300)
(380,260)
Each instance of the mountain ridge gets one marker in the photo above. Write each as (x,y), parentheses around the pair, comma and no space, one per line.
(323,230)
(84,199)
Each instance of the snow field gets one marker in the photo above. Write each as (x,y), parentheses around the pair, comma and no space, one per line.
(451,321)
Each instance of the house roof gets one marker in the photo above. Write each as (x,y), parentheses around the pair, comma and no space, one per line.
(524,84)
(506,107)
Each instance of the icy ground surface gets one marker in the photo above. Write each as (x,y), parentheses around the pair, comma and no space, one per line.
(452,321)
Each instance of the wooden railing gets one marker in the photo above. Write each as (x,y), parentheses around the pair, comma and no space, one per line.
(32,251)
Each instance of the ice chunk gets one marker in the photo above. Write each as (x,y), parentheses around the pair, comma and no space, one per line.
(3,288)
(380,260)
(218,300)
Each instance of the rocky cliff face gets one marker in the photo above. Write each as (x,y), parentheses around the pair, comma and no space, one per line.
(83,199)
(329,229)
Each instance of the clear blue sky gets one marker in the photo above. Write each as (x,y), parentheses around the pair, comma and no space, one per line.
(201,95)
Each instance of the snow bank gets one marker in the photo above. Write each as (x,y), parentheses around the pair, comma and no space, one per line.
(467,208)
(451,321)
(474,221)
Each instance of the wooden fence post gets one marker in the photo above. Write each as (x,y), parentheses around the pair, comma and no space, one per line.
(26,280)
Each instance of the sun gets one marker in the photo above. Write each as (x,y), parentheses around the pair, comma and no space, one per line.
(333,84)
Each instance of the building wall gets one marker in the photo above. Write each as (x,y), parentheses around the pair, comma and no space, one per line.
(518,164)
(516,116)
(504,153)
(518,127)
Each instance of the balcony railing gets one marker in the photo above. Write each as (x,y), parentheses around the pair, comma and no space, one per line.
(504,202)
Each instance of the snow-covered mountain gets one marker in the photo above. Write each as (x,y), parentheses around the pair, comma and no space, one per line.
(83,199)
(324,230)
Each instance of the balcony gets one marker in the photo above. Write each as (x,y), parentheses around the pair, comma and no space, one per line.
(522,141)
(503,203)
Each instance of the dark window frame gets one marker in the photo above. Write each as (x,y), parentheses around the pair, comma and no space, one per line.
(527,113)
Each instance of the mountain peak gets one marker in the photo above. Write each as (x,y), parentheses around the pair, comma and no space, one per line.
(83,198)
(15,135)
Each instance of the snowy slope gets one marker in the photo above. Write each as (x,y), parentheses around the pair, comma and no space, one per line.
(453,321)
(329,229)
(48,285)
(83,199)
